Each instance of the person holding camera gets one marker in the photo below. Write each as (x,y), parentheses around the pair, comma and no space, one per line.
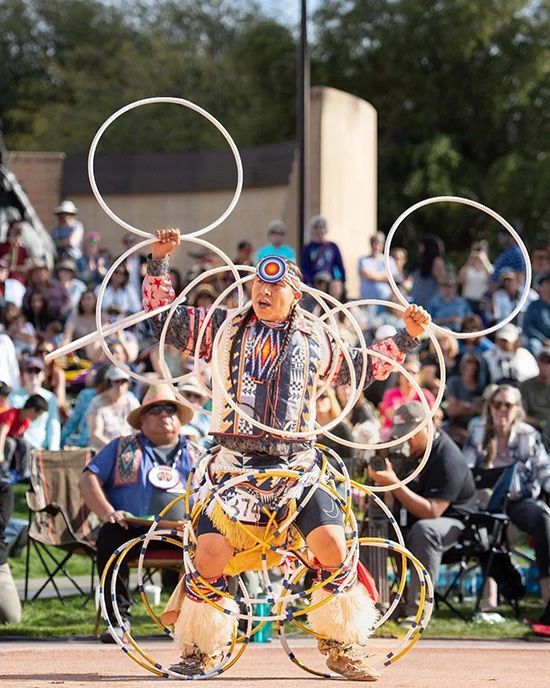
(431,507)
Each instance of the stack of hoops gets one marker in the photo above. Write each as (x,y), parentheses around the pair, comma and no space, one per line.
(335,481)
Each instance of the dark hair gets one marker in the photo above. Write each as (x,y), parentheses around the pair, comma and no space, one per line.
(127,273)
(433,248)
(5,389)
(36,403)
(88,291)
(177,280)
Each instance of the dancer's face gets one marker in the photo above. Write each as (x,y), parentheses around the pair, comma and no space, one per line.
(272,300)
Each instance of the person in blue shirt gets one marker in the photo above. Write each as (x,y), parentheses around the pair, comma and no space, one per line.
(138,476)
(276,234)
(449,310)
(510,260)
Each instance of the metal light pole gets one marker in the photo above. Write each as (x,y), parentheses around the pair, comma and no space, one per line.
(303,128)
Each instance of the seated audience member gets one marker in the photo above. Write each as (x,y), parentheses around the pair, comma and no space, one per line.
(463,394)
(38,314)
(504,439)
(386,316)
(93,265)
(536,324)
(69,232)
(121,293)
(430,509)
(65,272)
(431,375)
(473,323)
(10,607)
(507,296)
(136,263)
(327,409)
(14,449)
(55,379)
(242,257)
(4,393)
(11,290)
(45,431)
(402,277)
(475,276)
(509,362)
(431,271)
(199,424)
(74,432)
(107,413)
(203,296)
(14,253)
(276,235)
(540,262)
(509,260)
(129,477)
(82,321)
(447,309)
(397,396)
(124,344)
(321,255)
(535,395)
(55,295)
(22,333)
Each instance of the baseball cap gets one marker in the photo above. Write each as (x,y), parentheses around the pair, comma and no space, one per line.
(509,333)
(115,373)
(407,418)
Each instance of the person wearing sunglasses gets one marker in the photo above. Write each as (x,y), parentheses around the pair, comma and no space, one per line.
(504,439)
(137,474)
(275,246)
(272,359)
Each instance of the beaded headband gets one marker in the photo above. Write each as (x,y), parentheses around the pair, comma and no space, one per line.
(273,269)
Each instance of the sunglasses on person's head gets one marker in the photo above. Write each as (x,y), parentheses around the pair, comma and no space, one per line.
(506,405)
(33,371)
(159,408)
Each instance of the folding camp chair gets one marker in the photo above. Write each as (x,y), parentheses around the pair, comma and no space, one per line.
(483,546)
(61,519)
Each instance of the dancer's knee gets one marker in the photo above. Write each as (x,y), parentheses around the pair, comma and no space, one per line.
(328,544)
(212,555)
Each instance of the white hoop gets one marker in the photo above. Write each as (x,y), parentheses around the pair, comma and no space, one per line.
(191,106)
(495,216)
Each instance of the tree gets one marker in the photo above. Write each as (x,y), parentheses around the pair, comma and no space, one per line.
(462,93)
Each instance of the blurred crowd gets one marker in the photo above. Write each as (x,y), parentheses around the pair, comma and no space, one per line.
(88,400)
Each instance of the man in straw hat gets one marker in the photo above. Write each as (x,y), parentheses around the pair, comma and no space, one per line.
(272,360)
(137,475)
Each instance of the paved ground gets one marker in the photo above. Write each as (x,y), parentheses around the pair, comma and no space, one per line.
(430,664)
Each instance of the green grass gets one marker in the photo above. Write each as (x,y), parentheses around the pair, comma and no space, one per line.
(49,618)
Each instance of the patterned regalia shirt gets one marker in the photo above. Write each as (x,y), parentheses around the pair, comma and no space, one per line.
(277,393)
